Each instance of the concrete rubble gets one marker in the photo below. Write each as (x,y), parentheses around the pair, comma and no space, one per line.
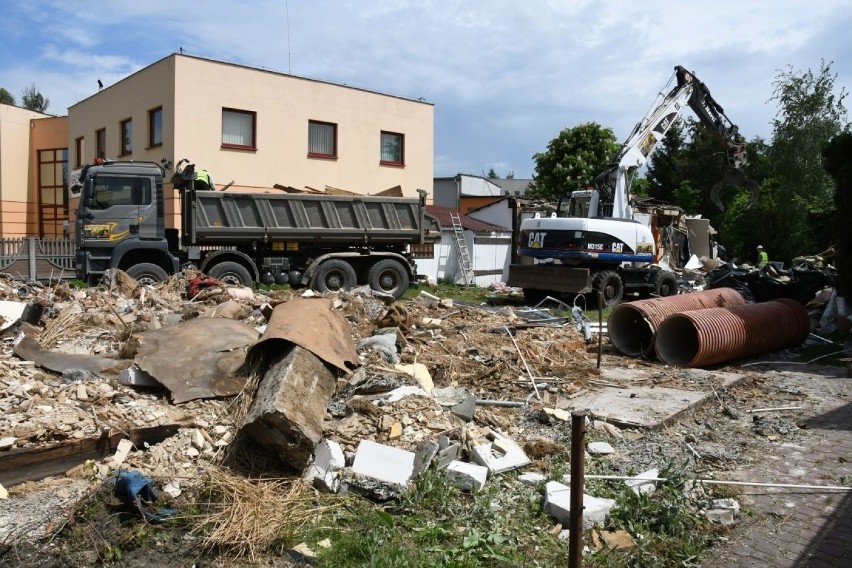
(348,390)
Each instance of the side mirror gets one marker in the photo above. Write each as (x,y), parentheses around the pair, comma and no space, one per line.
(89,192)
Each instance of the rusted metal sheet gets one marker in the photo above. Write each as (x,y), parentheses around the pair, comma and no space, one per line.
(30,350)
(312,324)
(200,358)
(716,335)
(632,326)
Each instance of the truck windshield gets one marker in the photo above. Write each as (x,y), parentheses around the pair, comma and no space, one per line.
(116,190)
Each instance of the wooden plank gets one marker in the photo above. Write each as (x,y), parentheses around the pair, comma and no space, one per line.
(29,464)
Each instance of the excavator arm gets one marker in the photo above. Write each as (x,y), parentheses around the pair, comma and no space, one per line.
(712,115)
(614,182)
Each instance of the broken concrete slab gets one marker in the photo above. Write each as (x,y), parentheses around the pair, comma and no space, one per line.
(723,517)
(287,413)
(467,476)
(557,503)
(466,408)
(424,454)
(640,406)
(384,463)
(532,478)
(199,358)
(421,374)
(10,313)
(600,448)
(502,454)
(645,484)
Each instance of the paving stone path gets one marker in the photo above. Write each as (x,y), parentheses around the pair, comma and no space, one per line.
(797,527)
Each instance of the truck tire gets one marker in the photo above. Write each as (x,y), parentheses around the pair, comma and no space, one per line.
(231,273)
(390,277)
(147,274)
(333,275)
(610,287)
(665,285)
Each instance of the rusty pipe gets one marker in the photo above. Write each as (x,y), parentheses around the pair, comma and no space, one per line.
(705,337)
(633,325)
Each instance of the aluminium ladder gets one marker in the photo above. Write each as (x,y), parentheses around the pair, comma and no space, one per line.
(462,250)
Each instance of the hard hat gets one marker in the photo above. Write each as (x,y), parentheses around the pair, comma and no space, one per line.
(759,247)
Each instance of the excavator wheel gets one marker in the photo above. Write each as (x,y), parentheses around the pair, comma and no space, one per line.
(665,285)
(608,287)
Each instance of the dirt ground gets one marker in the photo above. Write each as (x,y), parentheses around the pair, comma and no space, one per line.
(494,352)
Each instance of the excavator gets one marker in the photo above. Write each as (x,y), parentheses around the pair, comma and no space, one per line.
(603,245)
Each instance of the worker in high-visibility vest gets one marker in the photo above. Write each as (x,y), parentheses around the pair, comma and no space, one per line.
(762,257)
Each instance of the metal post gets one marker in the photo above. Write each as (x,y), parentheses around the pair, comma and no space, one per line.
(575,517)
(600,327)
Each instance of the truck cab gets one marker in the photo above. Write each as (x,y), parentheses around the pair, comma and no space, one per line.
(120,221)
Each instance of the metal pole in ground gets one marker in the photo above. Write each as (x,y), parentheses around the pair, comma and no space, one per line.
(600,327)
(575,516)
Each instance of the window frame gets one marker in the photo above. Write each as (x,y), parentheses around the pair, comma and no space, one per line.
(401,161)
(100,142)
(125,140)
(253,115)
(79,149)
(322,155)
(152,142)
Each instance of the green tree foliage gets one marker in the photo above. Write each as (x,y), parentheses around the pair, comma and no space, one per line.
(492,174)
(810,114)
(838,163)
(687,197)
(6,97)
(573,159)
(665,171)
(32,99)
(742,228)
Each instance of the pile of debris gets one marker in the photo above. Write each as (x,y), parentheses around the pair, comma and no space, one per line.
(168,380)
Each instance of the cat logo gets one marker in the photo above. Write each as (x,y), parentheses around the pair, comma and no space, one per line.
(536,240)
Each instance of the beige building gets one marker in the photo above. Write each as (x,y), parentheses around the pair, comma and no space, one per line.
(254,127)
(33,167)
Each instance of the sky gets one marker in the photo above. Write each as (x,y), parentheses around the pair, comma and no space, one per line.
(505,76)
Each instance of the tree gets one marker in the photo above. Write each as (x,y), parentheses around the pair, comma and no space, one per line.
(573,159)
(6,97)
(810,114)
(838,163)
(32,99)
(492,174)
(665,169)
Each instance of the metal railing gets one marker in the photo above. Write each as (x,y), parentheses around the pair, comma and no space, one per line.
(35,258)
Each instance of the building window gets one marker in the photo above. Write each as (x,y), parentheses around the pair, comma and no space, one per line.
(238,129)
(423,251)
(393,149)
(100,143)
(322,139)
(113,190)
(155,127)
(126,128)
(52,191)
(79,150)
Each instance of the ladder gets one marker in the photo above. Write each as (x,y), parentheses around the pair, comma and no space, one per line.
(461,249)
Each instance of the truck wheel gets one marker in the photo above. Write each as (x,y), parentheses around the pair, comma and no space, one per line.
(231,273)
(333,275)
(666,284)
(147,274)
(390,277)
(610,287)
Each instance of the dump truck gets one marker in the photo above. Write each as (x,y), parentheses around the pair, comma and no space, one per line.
(327,242)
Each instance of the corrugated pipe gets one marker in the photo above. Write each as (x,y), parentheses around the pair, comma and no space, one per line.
(714,335)
(632,325)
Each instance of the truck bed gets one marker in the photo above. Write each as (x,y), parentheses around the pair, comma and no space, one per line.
(242,217)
